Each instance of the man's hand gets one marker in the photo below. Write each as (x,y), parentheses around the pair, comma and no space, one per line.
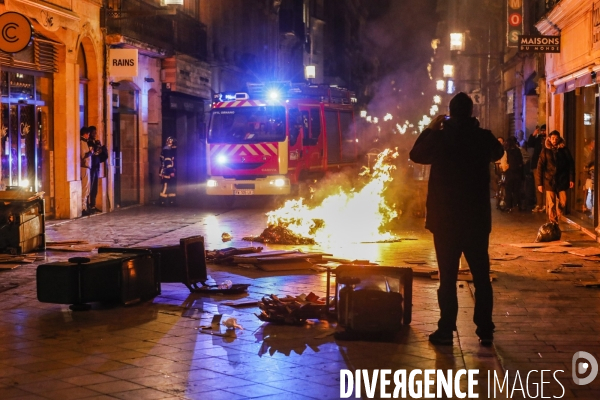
(541,189)
(571,184)
(535,132)
(436,124)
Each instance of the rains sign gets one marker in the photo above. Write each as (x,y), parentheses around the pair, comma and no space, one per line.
(123,62)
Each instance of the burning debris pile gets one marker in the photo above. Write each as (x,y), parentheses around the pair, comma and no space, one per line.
(356,215)
(278,234)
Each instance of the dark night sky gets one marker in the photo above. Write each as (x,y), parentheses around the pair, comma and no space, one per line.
(399,35)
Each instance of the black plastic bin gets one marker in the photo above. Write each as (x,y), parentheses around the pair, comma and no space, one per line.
(22,225)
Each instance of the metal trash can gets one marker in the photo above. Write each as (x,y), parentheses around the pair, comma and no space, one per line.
(22,225)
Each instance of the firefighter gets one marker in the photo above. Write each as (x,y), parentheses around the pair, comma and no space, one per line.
(167,173)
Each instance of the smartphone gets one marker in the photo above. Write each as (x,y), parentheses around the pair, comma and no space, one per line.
(446,117)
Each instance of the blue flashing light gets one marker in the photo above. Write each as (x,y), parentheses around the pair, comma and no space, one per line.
(273,94)
(221,159)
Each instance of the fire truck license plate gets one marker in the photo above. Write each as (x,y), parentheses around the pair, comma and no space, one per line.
(243,192)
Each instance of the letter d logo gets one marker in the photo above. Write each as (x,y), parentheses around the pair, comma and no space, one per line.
(583,367)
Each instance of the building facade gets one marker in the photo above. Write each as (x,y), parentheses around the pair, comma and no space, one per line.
(48,91)
(572,104)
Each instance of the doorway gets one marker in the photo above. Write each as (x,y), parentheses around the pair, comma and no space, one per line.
(126,144)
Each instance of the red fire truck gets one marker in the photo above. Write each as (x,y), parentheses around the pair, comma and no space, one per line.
(268,140)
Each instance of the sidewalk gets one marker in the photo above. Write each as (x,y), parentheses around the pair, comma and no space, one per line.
(155,350)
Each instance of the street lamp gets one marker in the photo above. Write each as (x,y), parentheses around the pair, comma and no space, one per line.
(457,42)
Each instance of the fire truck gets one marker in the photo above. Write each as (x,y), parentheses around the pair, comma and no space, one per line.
(274,137)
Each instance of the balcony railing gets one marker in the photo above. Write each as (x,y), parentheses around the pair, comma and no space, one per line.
(165,28)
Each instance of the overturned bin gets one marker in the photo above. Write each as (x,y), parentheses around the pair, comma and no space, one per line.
(21,222)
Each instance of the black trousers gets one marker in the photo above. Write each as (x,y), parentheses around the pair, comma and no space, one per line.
(94,173)
(513,190)
(448,248)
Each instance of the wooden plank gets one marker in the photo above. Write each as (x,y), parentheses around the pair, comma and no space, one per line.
(287,258)
(251,257)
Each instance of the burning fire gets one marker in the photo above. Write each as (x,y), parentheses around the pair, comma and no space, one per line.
(346,216)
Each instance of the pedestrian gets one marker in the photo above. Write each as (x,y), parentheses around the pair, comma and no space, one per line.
(537,141)
(168,173)
(97,159)
(555,174)
(514,174)
(459,211)
(86,163)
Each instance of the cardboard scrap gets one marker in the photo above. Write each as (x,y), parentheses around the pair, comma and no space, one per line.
(585,251)
(552,249)
(537,259)
(539,244)
(241,303)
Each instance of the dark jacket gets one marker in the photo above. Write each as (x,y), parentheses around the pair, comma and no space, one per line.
(555,166)
(515,162)
(537,144)
(458,199)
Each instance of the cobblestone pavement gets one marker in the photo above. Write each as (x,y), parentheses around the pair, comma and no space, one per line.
(155,349)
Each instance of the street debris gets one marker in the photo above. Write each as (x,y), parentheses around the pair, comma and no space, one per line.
(225,256)
(540,244)
(506,257)
(585,251)
(231,323)
(241,303)
(278,234)
(552,249)
(290,310)
(548,232)
(75,245)
(572,265)
(588,284)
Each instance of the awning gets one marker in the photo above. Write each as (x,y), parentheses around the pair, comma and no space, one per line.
(571,84)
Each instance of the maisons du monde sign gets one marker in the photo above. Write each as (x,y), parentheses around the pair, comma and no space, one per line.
(539,44)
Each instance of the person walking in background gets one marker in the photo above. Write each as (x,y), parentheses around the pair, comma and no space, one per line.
(537,141)
(514,174)
(555,174)
(86,163)
(459,212)
(167,173)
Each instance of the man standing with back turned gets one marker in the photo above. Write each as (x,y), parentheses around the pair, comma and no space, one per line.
(458,210)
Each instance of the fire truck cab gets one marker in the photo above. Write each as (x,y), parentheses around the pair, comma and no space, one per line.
(268,140)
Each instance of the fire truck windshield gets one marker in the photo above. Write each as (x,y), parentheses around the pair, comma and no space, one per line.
(247,125)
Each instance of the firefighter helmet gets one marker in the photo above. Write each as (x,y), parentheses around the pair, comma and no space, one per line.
(171,141)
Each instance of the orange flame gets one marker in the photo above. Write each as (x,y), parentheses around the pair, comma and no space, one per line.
(346,216)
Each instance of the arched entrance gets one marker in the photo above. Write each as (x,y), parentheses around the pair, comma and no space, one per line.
(126,143)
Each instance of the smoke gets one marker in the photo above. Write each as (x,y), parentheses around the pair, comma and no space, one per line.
(400,42)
